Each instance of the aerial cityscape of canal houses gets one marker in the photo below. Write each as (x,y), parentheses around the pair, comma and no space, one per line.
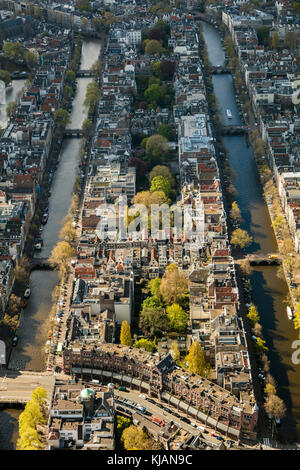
(149,207)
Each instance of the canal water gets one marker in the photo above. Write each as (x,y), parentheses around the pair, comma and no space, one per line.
(29,353)
(269,292)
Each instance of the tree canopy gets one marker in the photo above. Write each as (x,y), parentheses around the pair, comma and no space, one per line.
(195,361)
(125,336)
(178,318)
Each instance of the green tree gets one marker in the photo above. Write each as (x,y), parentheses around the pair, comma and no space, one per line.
(122,423)
(154,94)
(87,127)
(145,344)
(161,170)
(61,118)
(178,318)
(166,131)
(61,255)
(240,238)
(160,183)
(263,35)
(153,320)
(11,109)
(156,148)
(5,77)
(275,40)
(154,286)
(153,47)
(70,76)
(125,336)
(195,361)
(31,58)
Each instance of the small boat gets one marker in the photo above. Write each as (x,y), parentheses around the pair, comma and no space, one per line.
(27,293)
(289,313)
(45,218)
(228,112)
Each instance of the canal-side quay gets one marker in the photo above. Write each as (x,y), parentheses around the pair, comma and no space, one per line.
(269,292)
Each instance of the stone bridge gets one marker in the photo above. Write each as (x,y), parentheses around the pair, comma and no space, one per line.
(16,386)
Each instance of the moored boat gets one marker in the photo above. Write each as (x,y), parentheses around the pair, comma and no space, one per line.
(27,293)
(289,313)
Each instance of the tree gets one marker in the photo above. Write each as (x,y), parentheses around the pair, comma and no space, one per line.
(296,318)
(11,109)
(275,40)
(154,286)
(147,198)
(5,77)
(87,127)
(275,407)
(61,118)
(253,314)
(246,266)
(156,148)
(263,34)
(161,170)
(140,166)
(92,96)
(154,94)
(166,131)
(134,438)
(235,212)
(270,389)
(61,255)
(39,395)
(96,68)
(290,40)
(68,232)
(167,68)
(122,423)
(260,345)
(153,320)
(154,33)
(14,51)
(175,352)
(257,329)
(174,286)
(22,270)
(153,47)
(83,5)
(195,361)
(240,238)
(125,336)
(178,318)
(31,58)
(29,419)
(70,76)
(160,183)
(145,344)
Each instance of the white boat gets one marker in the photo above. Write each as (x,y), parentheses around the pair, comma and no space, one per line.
(228,112)
(27,293)
(289,313)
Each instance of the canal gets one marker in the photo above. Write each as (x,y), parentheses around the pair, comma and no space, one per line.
(32,333)
(269,292)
